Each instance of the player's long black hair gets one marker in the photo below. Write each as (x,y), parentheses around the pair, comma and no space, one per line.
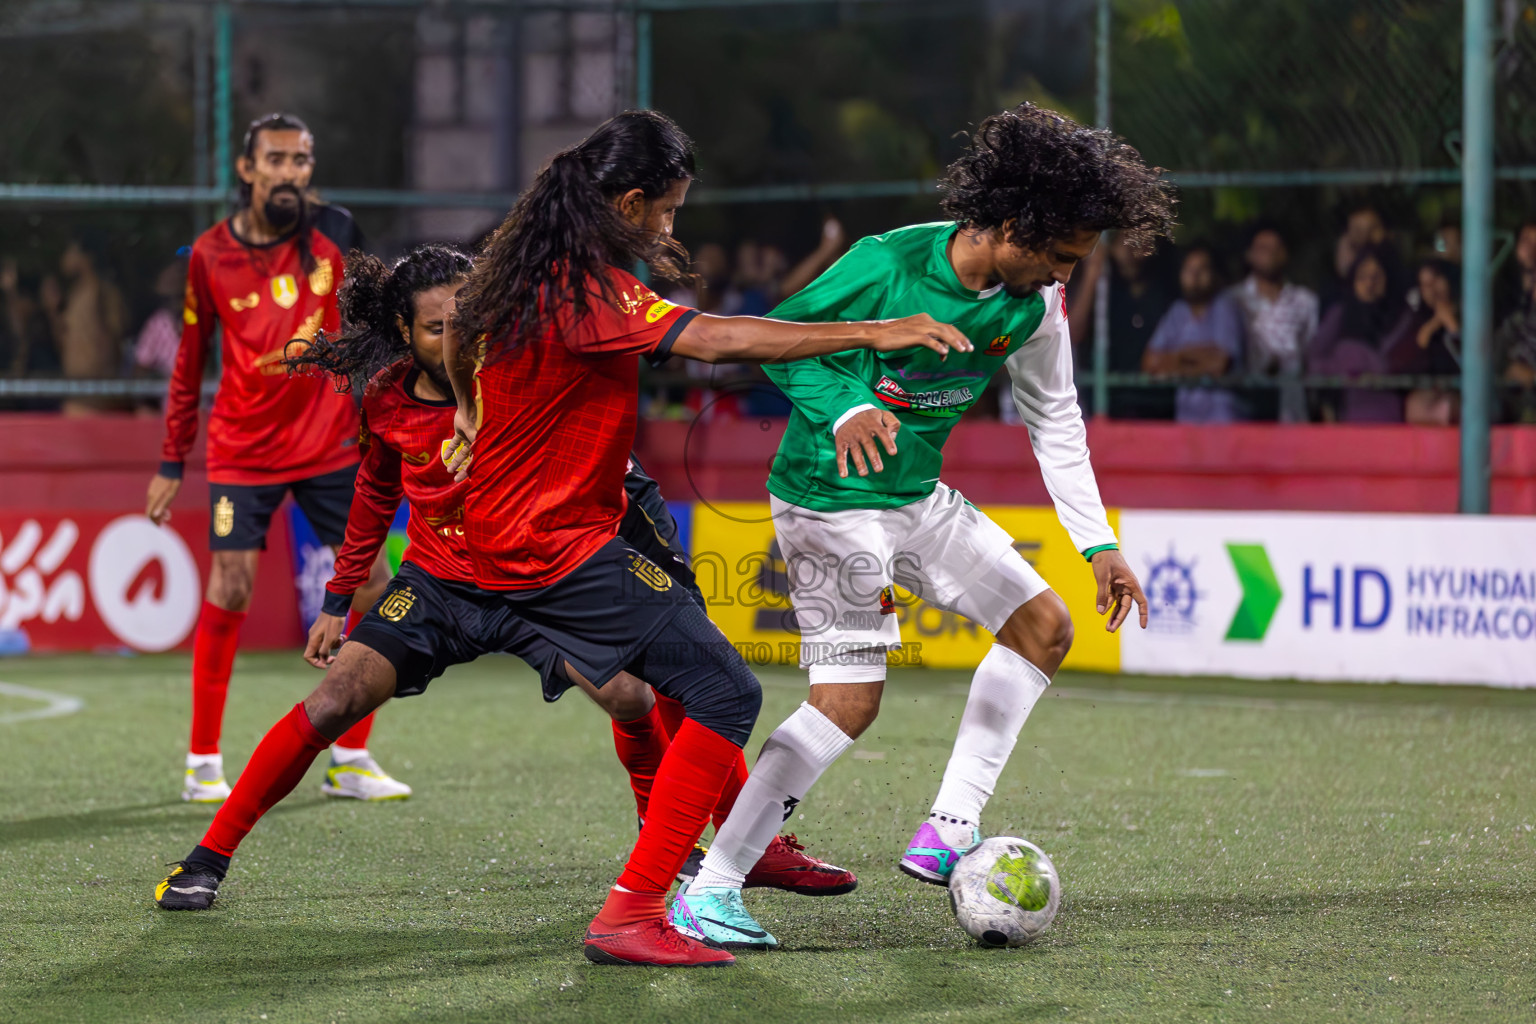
(376,300)
(564,233)
(1046,177)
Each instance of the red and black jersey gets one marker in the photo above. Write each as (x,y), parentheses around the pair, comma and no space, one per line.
(556,423)
(266,426)
(401,441)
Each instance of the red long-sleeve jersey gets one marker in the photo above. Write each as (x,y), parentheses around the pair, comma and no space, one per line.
(557,421)
(401,441)
(266,426)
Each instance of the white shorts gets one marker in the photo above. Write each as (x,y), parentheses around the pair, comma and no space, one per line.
(841,567)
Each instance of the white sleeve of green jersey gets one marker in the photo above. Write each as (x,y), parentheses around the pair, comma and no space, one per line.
(1047,400)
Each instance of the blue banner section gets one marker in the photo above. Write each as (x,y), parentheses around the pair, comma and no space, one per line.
(682,513)
(313,565)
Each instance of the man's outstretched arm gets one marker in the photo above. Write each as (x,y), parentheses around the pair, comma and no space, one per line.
(750,339)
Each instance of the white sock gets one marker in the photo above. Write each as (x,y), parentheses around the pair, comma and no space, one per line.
(1003,692)
(199,760)
(958,833)
(792,760)
(346,755)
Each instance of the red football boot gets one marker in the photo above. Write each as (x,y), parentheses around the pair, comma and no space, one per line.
(785,865)
(651,943)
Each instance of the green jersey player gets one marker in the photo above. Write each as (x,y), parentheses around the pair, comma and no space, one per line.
(1028,199)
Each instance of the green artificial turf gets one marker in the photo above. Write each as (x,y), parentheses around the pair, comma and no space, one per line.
(1228,851)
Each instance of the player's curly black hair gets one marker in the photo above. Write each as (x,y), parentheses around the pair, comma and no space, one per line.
(378,306)
(564,232)
(1045,176)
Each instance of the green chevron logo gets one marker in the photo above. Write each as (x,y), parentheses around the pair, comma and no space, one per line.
(1261,592)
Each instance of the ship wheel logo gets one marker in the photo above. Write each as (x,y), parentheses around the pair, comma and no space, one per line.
(1171,593)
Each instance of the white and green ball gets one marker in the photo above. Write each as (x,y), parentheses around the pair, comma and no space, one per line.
(1004,891)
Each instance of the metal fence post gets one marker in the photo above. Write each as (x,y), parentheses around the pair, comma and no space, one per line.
(222,101)
(200,87)
(643,60)
(1101,287)
(1477,237)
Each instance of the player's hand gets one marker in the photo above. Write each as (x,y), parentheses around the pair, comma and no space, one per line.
(1118,587)
(162,491)
(324,637)
(864,434)
(458,449)
(918,330)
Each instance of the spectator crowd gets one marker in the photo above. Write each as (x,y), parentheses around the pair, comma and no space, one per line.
(1241,351)
(1215,350)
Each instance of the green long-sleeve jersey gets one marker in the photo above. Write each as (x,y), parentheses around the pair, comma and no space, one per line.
(897,274)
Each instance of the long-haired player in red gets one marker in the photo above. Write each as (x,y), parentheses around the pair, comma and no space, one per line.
(546,381)
(266,275)
(390,352)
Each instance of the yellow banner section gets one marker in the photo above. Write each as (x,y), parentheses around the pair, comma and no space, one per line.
(742,575)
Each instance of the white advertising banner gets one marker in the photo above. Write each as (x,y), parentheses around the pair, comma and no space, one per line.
(1426,599)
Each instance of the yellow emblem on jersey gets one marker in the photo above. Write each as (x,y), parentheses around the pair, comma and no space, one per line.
(285,290)
(322,278)
(189,306)
(660,309)
(240,305)
(223,517)
(397,603)
(651,574)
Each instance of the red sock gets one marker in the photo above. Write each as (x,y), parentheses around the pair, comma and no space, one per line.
(356,737)
(688,785)
(625,908)
(641,744)
(732,788)
(671,713)
(213,657)
(278,763)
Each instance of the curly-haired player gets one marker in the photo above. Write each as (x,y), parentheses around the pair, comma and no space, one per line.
(1028,200)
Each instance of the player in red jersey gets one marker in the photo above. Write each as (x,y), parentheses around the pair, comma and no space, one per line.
(267,275)
(408,412)
(547,393)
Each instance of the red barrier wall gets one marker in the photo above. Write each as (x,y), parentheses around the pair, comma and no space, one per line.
(92,470)
(1317,467)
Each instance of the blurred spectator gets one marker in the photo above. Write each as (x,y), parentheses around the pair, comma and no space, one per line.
(88,318)
(1351,340)
(154,352)
(1200,336)
(1363,228)
(1514,344)
(761,281)
(1279,317)
(1138,299)
(1428,341)
(26,350)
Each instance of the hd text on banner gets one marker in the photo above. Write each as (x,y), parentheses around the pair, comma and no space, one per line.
(1427,599)
(744,579)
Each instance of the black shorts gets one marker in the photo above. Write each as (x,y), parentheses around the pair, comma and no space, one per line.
(601,615)
(423,626)
(649,528)
(241,513)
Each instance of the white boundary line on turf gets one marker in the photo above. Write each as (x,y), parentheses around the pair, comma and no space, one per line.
(59,704)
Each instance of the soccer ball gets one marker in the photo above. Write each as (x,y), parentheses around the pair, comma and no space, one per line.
(1004,891)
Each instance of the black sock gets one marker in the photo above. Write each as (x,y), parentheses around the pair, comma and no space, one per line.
(216,863)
